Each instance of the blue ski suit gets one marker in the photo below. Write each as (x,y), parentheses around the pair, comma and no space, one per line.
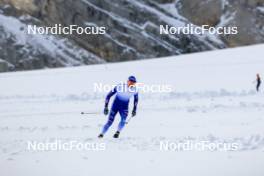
(120,104)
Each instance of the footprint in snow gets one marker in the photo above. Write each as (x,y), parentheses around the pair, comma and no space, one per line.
(4,128)
(85,157)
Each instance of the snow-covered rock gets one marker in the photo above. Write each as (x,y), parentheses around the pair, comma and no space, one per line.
(26,52)
(132,29)
(244,14)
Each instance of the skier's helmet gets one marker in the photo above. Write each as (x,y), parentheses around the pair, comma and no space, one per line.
(132,79)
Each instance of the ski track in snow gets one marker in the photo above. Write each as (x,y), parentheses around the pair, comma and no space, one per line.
(39,107)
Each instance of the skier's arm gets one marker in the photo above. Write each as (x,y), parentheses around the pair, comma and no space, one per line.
(109,95)
(134,112)
(135,101)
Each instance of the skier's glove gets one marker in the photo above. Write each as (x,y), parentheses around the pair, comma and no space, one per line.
(134,112)
(106,110)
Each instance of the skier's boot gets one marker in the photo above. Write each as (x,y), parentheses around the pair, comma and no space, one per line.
(100,136)
(116,135)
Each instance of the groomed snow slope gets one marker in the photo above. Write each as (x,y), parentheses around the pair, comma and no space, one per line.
(213,100)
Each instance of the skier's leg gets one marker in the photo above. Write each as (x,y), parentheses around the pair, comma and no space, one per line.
(110,121)
(123,114)
(258,87)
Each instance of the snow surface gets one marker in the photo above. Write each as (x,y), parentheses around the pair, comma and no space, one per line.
(213,99)
(261,9)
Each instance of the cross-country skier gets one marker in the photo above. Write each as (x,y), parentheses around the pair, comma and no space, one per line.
(258,80)
(123,94)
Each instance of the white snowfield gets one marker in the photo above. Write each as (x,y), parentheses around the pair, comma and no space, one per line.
(213,100)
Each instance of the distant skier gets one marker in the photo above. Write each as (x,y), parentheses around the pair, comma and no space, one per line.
(123,94)
(258,80)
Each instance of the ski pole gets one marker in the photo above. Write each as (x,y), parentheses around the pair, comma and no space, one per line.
(128,120)
(83,113)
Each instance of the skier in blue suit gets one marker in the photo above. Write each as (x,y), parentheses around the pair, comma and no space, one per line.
(123,94)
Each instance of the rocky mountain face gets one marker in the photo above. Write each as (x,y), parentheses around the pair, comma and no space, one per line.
(132,30)
(247,15)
